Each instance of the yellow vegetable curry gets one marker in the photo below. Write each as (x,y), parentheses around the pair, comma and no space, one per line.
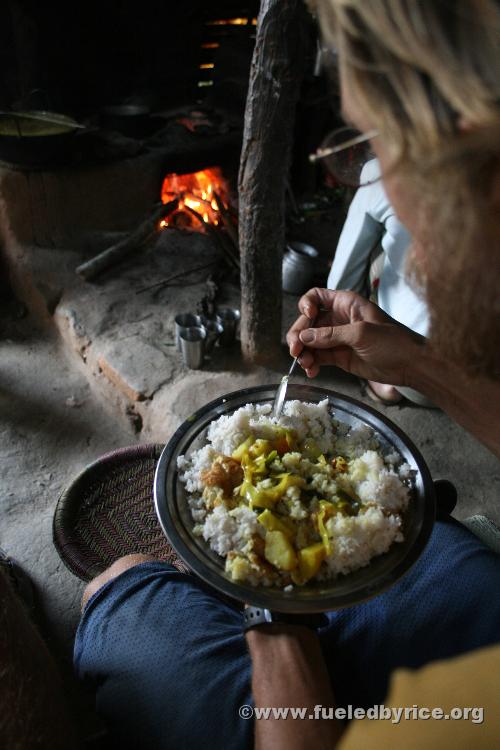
(294,490)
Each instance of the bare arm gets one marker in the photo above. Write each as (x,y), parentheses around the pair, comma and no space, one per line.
(288,671)
(359,337)
(474,403)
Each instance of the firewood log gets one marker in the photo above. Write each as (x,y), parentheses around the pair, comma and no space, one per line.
(116,253)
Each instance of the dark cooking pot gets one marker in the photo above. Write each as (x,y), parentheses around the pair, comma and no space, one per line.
(35,137)
(129,119)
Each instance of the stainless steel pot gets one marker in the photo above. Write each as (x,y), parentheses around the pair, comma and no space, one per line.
(299,267)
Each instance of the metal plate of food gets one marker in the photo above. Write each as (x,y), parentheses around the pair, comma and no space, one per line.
(291,585)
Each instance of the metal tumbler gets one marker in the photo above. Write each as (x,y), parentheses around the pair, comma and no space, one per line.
(214,332)
(193,346)
(228,317)
(183,321)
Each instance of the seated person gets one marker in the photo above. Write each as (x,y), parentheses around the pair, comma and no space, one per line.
(371,222)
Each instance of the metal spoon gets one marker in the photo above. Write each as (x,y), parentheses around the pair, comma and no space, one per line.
(280,397)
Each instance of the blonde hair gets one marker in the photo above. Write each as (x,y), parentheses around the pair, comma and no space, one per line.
(426,74)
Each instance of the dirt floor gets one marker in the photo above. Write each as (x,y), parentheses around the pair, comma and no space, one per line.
(50,428)
(52,425)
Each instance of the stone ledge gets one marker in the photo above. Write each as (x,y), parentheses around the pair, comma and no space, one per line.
(125,342)
(135,367)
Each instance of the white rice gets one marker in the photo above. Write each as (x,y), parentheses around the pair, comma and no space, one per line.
(356,539)
(381,483)
(230,530)
(308,420)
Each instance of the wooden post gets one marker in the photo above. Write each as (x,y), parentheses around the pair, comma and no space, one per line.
(283,32)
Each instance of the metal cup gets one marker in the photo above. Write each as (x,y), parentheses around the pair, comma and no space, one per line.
(214,332)
(193,346)
(228,317)
(183,321)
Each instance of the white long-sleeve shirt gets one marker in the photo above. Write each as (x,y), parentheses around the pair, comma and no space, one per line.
(371,219)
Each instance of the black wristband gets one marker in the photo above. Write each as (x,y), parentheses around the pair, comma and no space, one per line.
(253,617)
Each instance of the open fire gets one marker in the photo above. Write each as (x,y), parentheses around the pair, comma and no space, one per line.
(201,196)
(232,22)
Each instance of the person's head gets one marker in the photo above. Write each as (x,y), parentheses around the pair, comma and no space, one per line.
(426,75)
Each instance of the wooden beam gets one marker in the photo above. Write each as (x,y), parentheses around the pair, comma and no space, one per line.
(278,64)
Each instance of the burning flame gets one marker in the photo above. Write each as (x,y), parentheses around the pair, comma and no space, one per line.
(232,22)
(197,191)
